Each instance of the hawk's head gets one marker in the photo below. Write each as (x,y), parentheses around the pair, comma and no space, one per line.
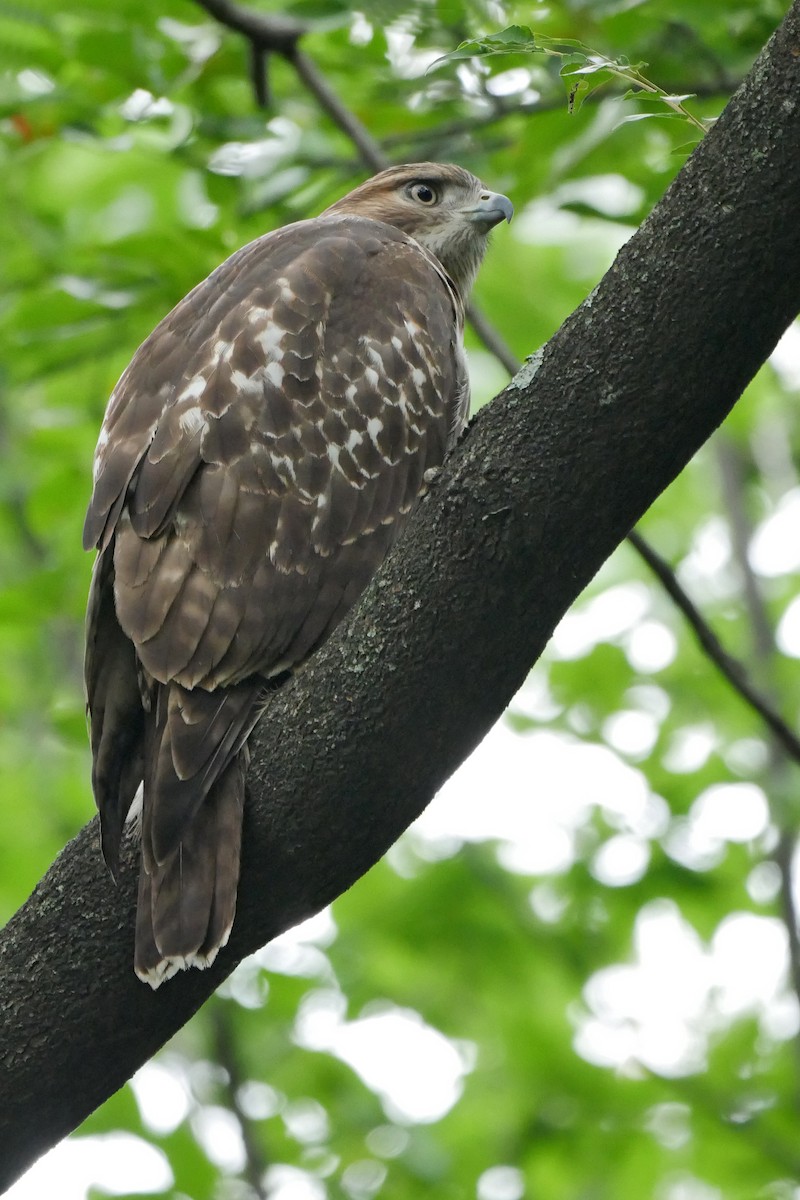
(442,206)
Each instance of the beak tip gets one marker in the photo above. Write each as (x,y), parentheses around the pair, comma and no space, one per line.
(498,208)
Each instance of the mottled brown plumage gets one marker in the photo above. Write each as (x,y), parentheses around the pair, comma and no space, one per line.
(258,458)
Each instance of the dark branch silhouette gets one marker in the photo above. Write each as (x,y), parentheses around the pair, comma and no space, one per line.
(732,669)
(550,477)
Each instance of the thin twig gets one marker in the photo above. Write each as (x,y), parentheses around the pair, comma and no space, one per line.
(370,151)
(784,859)
(269,31)
(730,667)
(446,132)
(732,470)
(493,340)
(225,1053)
(259,74)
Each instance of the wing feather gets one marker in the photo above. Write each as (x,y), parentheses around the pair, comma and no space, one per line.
(245,502)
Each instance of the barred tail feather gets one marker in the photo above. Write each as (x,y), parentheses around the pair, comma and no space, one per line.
(187,903)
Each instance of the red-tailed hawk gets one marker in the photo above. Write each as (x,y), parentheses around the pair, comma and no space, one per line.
(257,459)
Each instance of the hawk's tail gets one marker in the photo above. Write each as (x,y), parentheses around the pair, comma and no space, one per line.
(191,827)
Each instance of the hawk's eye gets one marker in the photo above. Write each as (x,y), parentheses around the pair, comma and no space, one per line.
(422,192)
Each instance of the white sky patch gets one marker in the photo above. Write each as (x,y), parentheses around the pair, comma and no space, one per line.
(670,1124)
(775,547)
(116,1163)
(414,1069)
(785,357)
(621,861)
(706,570)
(129,213)
(660,1009)
(587,243)
(630,732)
(605,617)
(259,158)
(360,30)
(405,59)
(35,83)
(764,882)
(612,195)
(533,792)
(650,647)
(219,1133)
(142,104)
(284,1182)
(730,812)
(761,943)
(387,1141)
(787,634)
(689,748)
(501,1183)
(508,83)
(646,1011)
(364,1178)
(307,1122)
(300,951)
(681,1185)
(162,1094)
(258,1100)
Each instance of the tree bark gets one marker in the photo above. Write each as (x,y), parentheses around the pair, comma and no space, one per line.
(550,477)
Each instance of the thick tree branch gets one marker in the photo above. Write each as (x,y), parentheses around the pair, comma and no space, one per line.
(548,480)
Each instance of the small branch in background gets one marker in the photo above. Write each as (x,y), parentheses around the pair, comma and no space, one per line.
(270,31)
(449,131)
(731,668)
(733,475)
(225,1053)
(371,154)
(493,340)
(784,859)
(259,74)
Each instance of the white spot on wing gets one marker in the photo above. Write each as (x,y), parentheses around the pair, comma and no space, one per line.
(222,351)
(375,428)
(248,385)
(274,373)
(192,421)
(259,316)
(270,339)
(194,388)
(287,292)
(283,466)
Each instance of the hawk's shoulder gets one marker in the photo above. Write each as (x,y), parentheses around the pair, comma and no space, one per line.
(269,440)
(248,334)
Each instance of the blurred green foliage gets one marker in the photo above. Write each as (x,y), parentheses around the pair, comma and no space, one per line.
(133,159)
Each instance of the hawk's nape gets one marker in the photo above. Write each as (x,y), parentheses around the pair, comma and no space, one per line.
(257,460)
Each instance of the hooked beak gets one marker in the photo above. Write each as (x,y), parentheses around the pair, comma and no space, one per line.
(491,209)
